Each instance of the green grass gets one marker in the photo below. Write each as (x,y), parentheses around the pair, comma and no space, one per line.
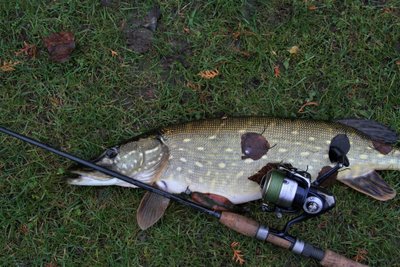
(347,63)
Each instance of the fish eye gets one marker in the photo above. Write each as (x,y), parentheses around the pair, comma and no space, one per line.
(112,152)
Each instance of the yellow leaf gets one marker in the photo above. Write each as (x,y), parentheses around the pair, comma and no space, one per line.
(209,74)
(114,53)
(9,66)
(294,50)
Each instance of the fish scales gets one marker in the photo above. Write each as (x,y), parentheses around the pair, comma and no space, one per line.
(206,156)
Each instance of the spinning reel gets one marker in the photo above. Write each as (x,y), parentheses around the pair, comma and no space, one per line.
(289,190)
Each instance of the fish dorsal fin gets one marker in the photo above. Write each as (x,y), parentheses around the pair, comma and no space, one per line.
(372,129)
(151,209)
(371,184)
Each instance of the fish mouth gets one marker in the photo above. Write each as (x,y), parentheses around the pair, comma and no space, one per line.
(87,177)
(94,178)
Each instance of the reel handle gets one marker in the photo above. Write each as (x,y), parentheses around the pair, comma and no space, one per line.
(250,227)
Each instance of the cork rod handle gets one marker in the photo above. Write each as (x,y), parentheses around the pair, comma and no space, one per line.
(249,227)
(332,259)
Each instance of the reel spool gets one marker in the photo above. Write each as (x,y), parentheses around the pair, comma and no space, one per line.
(291,190)
(288,190)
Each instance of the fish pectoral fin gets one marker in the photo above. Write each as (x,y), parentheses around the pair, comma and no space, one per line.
(371,184)
(151,209)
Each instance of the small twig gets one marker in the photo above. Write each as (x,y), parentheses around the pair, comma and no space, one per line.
(301,110)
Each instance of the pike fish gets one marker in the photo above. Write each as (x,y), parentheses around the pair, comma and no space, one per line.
(211,160)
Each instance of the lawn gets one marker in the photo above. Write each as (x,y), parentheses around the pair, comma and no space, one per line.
(269,58)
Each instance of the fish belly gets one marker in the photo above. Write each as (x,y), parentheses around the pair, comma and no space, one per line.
(206,156)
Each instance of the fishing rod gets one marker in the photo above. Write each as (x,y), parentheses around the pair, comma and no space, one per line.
(236,222)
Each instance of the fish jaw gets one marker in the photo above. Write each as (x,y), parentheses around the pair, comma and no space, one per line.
(95,178)
(143,160)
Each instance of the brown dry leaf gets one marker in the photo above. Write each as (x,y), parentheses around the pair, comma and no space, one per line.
(301,109)
(23,229)
(51,264)
(29,49)
(209,74)
(56,101)
(237,254)
(294,50)
(60,45)
(113,53)
(193,86)
(312,8)
(398,62)
(186,30)
(9,65)
(387,10)
(277,71)
(236,35)
(361,255)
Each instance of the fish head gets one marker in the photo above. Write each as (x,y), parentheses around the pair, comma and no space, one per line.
(141,160)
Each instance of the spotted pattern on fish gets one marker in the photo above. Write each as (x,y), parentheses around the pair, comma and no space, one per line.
(206,156)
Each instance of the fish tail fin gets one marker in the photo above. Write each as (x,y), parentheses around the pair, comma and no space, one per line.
(368,182)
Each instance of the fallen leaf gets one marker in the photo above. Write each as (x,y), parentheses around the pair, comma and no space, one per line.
(9,66)
(60,45)
(193,86)
(312,8)
(277,71)
(237,254)
(56,101)
(387,10)
(23,229)
(361,255)
(294,50)
(301,110)
(254,145)
(330,180)
(186,30)
(398,62)
(258,177)
(236,35)
(51,264)
(114,53)
(29,49)
(209,74)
